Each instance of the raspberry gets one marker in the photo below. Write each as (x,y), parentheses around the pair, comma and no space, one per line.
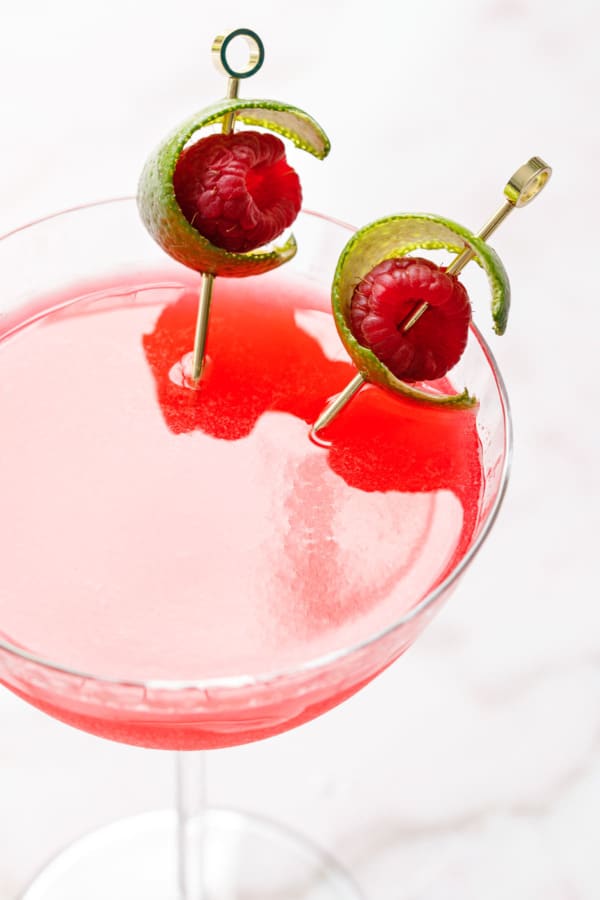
(384,301)
(237,189)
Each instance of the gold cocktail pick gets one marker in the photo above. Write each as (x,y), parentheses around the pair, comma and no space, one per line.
(522,187)
(255,60)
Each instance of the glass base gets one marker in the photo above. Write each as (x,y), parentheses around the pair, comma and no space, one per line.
(245,858)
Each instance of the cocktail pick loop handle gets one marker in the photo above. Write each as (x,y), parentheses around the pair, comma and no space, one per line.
(255,60)
(525,184)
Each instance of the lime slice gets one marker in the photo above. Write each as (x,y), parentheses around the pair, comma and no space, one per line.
(397,236)
(158,205)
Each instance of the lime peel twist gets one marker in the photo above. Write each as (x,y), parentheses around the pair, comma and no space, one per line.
(162,215)
(397,236)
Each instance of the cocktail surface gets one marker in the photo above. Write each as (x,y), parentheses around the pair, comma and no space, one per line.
(154,531)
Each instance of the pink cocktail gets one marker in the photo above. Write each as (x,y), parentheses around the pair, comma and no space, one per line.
(185,568)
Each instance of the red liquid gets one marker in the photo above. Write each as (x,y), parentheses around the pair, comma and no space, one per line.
(155,532)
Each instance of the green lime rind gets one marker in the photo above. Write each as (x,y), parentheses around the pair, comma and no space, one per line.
(397,236)
(162,215)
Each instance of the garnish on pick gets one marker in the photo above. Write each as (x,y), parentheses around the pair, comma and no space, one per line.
(216,205)
(163,216)
(374,279)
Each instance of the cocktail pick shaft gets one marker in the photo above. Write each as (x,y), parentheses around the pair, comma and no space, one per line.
(525,184)
(255,60)
(202,325)
(233,88)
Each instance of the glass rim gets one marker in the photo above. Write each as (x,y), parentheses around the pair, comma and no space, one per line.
(231,682)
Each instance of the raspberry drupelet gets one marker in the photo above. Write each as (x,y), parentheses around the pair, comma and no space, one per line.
(385,299)
(237,189)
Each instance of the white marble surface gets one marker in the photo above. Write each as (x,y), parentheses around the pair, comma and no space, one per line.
(472,768)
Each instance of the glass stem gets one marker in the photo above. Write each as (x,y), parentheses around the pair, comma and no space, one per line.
(191,808)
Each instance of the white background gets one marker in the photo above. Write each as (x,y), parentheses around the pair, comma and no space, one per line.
(475,760)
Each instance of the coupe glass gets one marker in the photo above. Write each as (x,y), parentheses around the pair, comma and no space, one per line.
(194,852)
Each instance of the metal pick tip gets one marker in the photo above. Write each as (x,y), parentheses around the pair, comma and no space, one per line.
(336,405)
